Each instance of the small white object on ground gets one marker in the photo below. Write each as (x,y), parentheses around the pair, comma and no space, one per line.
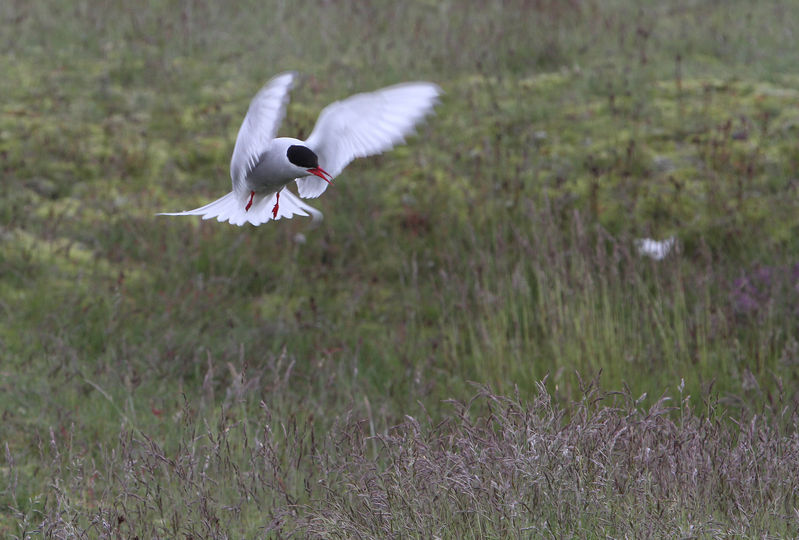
(656,249)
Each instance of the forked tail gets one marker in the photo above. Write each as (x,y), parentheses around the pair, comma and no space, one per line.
(233,208)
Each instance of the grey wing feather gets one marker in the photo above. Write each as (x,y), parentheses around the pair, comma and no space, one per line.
(260,125)
(364,125)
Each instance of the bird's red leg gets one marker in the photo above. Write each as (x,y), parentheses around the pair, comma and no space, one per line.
(252,194)
(277,201)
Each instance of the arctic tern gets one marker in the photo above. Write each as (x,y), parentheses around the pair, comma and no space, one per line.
(263,165)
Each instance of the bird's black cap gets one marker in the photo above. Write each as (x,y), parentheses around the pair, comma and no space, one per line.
(302,156)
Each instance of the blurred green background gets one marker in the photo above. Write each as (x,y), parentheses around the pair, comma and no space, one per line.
(496,248)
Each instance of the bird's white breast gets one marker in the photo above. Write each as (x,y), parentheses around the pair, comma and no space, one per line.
(274,170)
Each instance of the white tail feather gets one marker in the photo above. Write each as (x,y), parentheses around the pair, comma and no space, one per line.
(232,207)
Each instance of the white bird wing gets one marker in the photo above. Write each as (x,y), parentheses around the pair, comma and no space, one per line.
(231,208)
(364,125)
(260,125)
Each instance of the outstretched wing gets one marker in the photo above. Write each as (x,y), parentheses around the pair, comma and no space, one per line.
(364,125)
(260,125)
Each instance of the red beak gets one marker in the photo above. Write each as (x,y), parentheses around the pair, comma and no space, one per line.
(320,172)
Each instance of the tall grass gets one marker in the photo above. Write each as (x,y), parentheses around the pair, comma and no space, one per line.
(496,466)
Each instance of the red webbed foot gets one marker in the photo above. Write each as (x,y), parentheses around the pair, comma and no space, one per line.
(277,205)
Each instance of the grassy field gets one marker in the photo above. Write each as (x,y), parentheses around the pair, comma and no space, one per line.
(469,345)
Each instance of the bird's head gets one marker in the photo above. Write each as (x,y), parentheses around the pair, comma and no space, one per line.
(305,158)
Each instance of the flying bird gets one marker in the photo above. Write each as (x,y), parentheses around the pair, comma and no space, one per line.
(263,165)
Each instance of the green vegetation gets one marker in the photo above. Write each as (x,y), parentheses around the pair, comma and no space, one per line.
(412,366)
